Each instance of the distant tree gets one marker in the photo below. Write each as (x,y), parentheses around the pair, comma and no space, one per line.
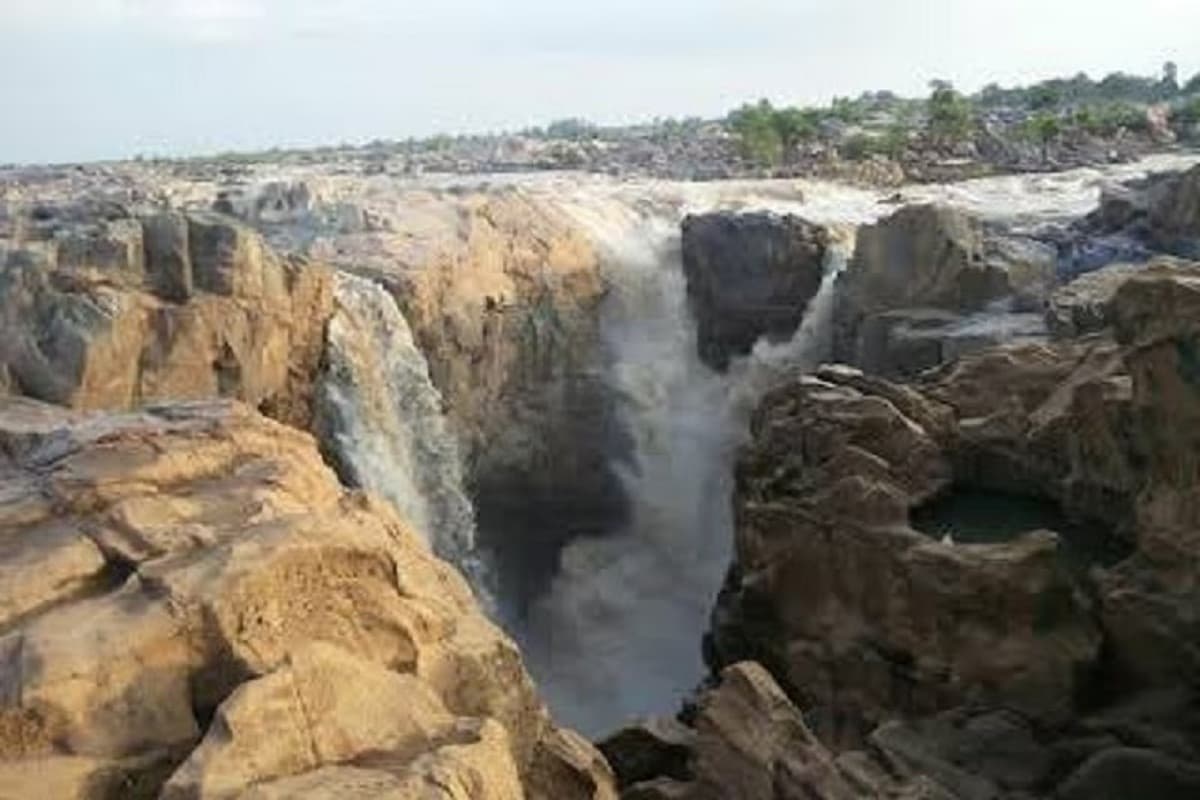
(846,110)
(1170,78)
(795,126)
(1086,120)
(858,147)
(895,140)
(1045,128)
(571,128)
(1187,114)
(950,114)
(758,136)
(991,95)
(1122,87)
(1044,96)
(1193,86)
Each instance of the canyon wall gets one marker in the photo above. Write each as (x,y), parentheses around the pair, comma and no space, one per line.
(864,618)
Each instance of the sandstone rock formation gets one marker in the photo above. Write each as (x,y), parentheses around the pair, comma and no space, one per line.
(863,619)
(749,276)
(100,309)
(192,602)
(502,291)
(861,615)
(920,286)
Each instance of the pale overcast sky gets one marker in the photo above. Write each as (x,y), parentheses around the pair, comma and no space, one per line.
(91,79)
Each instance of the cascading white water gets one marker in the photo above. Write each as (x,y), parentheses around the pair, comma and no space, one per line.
(381,417)
(618,635)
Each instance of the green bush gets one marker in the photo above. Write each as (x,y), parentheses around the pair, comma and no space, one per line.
(951,116)
(758,136)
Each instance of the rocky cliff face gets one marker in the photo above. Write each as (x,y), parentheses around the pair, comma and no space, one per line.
(749,276)
(191,602)
(864,617)
(502,293)
(100,308)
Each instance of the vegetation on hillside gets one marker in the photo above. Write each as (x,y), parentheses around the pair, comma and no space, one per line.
(1048,112)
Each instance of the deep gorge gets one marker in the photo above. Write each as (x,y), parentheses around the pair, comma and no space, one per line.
(602,416)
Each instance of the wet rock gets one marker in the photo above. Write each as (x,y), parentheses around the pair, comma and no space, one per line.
(749,276)
(747,740)
(907,342)
(1162,212)
(830,589)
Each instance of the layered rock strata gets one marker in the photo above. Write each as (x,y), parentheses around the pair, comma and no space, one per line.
(930,283)
(192,605)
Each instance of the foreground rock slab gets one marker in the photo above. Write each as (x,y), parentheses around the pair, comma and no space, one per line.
(195,605)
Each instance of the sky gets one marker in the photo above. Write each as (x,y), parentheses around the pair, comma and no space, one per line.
(97,79)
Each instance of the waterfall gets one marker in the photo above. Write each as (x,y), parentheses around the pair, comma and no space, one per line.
(618,635)
(379,418)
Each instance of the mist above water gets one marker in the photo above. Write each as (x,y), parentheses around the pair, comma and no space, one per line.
(618,635)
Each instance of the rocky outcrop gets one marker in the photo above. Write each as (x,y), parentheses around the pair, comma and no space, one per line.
(502,291)
(101,309)
(931,282)
(1160,212)
(192,602)
(1085,305)
(744,738)
(749,276)
(864,619)
(859,614)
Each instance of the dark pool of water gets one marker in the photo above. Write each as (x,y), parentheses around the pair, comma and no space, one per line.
(976,516)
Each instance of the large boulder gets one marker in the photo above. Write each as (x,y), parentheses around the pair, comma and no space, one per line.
(1160,212)
(193,602)
(749,276)
(1174,214)
(931,282)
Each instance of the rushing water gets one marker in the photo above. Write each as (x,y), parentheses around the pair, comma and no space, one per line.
(618,633)
(380,417)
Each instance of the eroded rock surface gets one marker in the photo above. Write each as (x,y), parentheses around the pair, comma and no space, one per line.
(864,620)
(104,309)
(192,602)
(745,739)
(932,282)
(1161,212)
